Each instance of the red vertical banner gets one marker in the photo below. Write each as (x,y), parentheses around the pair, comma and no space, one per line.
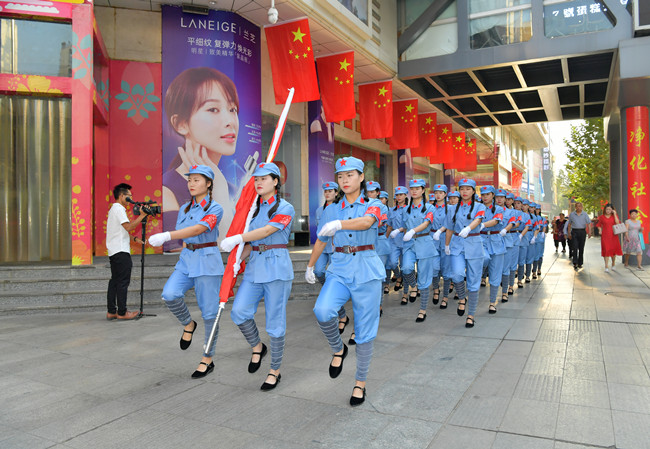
(470,156)
(445,145)
(458,151)
(336,81)
(376,109)
(405,125)
(638,159)
(428,138)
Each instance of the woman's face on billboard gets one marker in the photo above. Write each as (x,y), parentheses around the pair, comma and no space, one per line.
(215,123)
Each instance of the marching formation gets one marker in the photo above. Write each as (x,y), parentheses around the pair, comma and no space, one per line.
(468,238)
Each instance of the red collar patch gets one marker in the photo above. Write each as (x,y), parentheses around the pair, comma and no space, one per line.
(469,203)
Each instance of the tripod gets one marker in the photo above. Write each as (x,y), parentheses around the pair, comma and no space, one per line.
(144,240)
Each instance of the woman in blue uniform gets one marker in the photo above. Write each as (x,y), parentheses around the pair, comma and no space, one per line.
(508,223)
(199,265)
(355,271)
(452,199)
(524,237)
(269,273)
(418,246)
(438,228)
(330,189)
(463,243)
(541,240)
(531,253)
(493,243)
(513,256)
(396,244)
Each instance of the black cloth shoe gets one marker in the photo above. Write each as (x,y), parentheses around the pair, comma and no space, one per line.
(469,322)
(267,386)
(418,319)
(464,304)
(352,341)
(354,401)
(199,374)
(186,344)
(336,370)
(254,366)
(345,323)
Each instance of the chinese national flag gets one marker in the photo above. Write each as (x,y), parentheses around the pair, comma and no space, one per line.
(470,156)
(376,109)
(292,60)
(427,136)
(458,151)
(445,150)
(336,81)
(405,125)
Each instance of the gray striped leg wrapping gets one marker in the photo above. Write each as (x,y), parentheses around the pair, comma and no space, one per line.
(410,279)
(446,284)
(331,330)
(364,355)
(505,278)
(179,309)
(520,272)
(460,289)
(342,313)
(513,273)
(277,350)
(528,267)
(424,298)
(251,334)
(494,290)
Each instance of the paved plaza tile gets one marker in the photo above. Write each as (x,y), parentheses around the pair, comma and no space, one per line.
(562,365)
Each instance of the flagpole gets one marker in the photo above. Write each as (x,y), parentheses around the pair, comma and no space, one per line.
(277,135)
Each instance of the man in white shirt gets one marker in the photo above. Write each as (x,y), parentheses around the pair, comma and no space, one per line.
(579,224)
(118,244)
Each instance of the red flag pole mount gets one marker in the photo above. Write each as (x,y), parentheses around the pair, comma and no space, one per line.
(228,282)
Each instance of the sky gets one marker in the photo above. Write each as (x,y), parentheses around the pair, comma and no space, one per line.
(558,131)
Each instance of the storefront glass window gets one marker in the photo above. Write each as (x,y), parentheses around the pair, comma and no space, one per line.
(441,38)
(288,161)
(35,48)
(576,17)
(499,22)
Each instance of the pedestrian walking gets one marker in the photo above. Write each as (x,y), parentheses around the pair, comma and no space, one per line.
(199,265)
(396,243)
(440,211)
(525,225)
(558,233)
(578,232)
(632,240)
(610,243)
(493,244)
(355,271)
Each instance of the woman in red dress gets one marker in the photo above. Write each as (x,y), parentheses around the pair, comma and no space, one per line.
(610,244)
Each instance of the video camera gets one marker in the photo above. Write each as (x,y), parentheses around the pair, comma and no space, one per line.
(148,207)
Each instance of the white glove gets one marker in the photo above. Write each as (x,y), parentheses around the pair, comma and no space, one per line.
(395,233)
(235,268)
(447,250)
(159,239)
(503,232)
(482,227)
(229,243)
(330,228)
(437,234)
(521,236)
(310,276)
(532,240)
(465,232)
(409,235)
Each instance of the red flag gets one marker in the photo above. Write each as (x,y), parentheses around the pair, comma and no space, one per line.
(470,156)
(376,109)
(445,148)
(292,60)
(427,136)
(405,125)
(336,81)
(458,151)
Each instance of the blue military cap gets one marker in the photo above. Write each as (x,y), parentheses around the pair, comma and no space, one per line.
(454,194)
(383,194)
(201,170)
(373,185)
(401,189)
(348,164)
(330,185)
(477,198)
(440,188)
(501,192)
(510,196)
(525,201)
(520,199)
(432,197)
(467,182)
(264,169)
(417,183)
(487,189)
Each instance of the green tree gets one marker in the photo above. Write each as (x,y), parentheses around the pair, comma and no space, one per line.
(562,189)
(588,164)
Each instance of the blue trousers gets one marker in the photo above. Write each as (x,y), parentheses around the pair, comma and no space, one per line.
(320,267)
(540,249)
(426,267)
(395,259)
(495,269)
(531,253)
(205,287)
(366,298)
(510,260)
(275,294)
(471,269)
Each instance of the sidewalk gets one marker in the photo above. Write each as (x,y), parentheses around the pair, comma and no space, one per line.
(564,364)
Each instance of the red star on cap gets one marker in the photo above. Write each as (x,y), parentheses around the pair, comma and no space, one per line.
(262,165)
(195,167)
(463,180)
(343,162)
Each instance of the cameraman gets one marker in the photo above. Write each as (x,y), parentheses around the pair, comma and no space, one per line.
(118,245)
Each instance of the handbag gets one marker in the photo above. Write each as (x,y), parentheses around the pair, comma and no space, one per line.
(620,228)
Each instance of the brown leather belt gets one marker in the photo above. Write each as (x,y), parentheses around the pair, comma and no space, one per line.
(421,235)
(489,232)
(513,232)
(470,235)
(262,248)
(353,249)
(195,246)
